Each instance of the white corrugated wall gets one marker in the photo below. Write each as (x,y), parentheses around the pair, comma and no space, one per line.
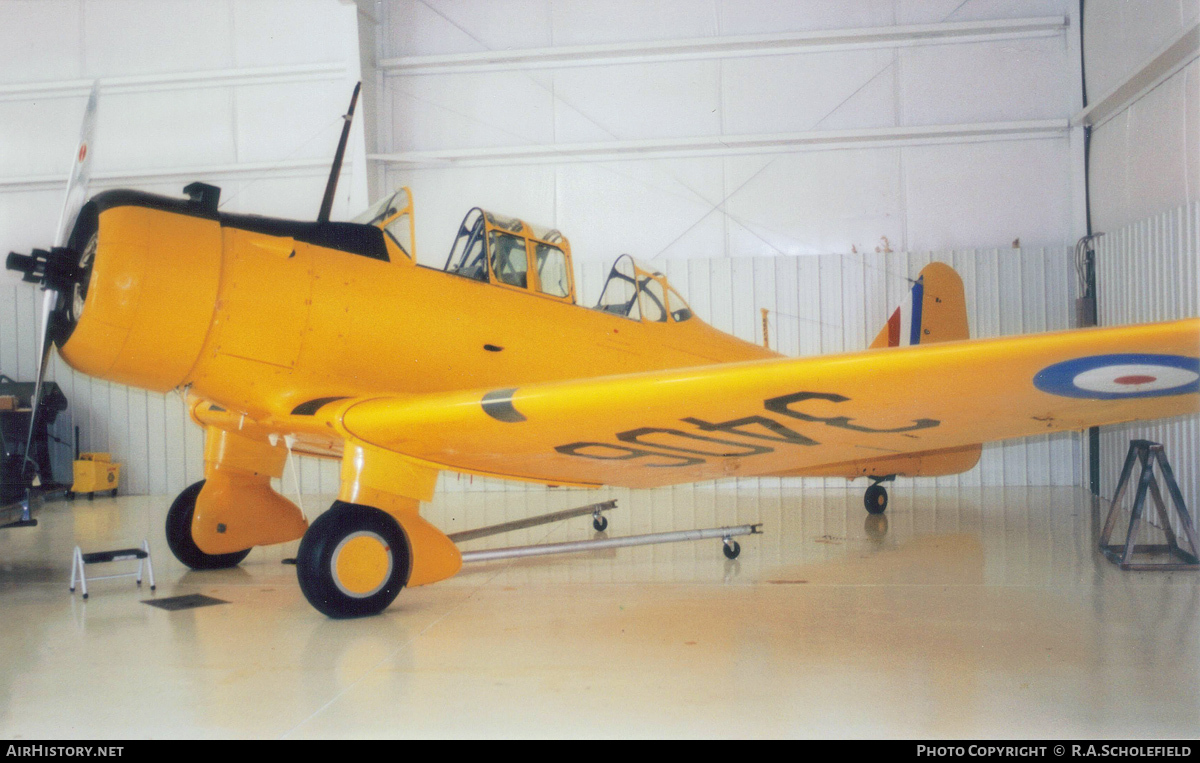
(1150,271)
(817,305)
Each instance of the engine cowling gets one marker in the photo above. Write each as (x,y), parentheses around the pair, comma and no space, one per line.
(152,275)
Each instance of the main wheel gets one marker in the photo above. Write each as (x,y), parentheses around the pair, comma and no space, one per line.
(876,498)
(179,535)
(353,561)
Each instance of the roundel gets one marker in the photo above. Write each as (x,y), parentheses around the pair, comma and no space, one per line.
(1112,377)
(82,151)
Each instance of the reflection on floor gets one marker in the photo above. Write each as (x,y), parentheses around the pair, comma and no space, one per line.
(980,613)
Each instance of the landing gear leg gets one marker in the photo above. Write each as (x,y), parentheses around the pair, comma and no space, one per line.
(876,497)
(179,535)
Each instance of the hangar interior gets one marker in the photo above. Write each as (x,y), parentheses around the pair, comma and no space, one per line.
(790,167)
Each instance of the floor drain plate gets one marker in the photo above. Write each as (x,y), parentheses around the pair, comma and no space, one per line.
(190,601)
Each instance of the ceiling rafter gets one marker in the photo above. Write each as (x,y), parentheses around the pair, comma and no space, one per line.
(726,145)
(727,47)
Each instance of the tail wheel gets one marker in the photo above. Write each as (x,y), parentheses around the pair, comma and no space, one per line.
(179,535)
(353,561)
(876,499)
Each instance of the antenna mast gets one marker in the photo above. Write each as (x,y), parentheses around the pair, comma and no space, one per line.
(336,170)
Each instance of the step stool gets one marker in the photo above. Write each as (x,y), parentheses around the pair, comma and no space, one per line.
(80,559)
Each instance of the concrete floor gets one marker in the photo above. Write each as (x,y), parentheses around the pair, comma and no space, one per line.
(968,613)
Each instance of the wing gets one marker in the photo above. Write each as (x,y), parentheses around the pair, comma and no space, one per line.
(786,415)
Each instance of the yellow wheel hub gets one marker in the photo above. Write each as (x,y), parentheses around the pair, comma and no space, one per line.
(362,564)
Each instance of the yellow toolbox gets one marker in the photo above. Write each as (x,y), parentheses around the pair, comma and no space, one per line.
(95,473)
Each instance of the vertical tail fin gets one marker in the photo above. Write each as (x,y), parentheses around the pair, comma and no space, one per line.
(935,311)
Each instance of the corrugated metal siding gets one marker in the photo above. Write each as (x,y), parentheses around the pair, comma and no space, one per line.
(1150,271)
(823,304)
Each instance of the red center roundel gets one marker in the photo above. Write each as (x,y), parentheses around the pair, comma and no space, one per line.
(82,151)
(1132,378)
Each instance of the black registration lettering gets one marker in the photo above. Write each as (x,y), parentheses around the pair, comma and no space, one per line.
(779,432)
(698,447)
(782,405)
(625,453)
(723,449)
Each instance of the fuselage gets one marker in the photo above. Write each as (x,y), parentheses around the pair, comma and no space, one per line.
(261,316)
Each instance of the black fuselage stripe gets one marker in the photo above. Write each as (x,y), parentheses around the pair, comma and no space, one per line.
(352,238)
(498,405)
(312,406)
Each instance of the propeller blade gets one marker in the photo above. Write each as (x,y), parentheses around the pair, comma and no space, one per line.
(49,302)
(81,171)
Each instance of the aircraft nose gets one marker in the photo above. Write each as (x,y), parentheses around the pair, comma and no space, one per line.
(23,263)
(148,278)
(64,271)
(54,269)
(58,270)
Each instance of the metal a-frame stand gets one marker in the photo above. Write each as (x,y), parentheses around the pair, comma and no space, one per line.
(1149,453)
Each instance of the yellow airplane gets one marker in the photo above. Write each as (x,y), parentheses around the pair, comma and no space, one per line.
(330,339)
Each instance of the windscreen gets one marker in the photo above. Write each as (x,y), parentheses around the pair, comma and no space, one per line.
(620,296)
(467,256)
(637,291)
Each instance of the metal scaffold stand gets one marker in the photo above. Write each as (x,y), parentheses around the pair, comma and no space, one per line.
(1149,454)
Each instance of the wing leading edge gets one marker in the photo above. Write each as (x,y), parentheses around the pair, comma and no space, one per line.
(794,414)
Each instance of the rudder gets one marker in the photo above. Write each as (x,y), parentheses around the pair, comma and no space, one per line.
(935,311)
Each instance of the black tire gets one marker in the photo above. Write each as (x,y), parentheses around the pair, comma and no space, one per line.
(876,499)
(70,495)
(114,492)
(600,523)
(319,554)
(731,549)
(179,535)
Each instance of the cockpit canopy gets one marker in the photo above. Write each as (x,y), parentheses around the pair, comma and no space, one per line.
(511,252)
(394,214)
(635,290)
(515,254)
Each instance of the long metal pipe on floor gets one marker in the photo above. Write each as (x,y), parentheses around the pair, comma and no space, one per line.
(602,543)
(521,524)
